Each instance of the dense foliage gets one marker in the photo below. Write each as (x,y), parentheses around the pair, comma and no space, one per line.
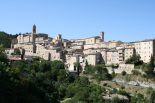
(3,57)
(84,92)
(31,82)
(16,52)
(149,68)
(41,81)
(44,82)
(5,39)
(99,72)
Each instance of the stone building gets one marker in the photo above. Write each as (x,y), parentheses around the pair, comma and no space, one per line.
(39,44)
(91,49)
(128,52)
(91,58)
(145,49)
(112,56)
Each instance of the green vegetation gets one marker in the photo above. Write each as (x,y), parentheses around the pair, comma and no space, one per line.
(40,81)
(79,68)
(99,72)
(123,73)
(44,82)
(84,92)
(5,39)
(17,51)
(134,59)
(30,83)
(3,57)
(139,98)
(135,72)
(149,68)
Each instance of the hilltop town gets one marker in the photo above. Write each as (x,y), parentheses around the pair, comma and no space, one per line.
(103,71)
(77,51)
(93,50)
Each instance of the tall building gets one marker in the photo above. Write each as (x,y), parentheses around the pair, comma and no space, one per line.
(145,49)
(33,33)
(34,29)
(102,36)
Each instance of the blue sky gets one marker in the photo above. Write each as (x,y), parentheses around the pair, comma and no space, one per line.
(126,20)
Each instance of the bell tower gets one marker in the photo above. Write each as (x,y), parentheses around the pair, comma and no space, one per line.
(33,33)
(34,29)
(33,38)
(102,36)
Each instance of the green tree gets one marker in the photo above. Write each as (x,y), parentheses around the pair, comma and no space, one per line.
(62,89)
(113,74)
(123,73)
(149,69)
(5,39)
(57,65)
(95,94)
(101,73)
(86,63)
(1,48)
(83,81)
(62,76)
(89,69)
(150,95)
(3,57)
(17,51)
(134,59)
(100,59)
(82,94)
(79,68)
(22,54)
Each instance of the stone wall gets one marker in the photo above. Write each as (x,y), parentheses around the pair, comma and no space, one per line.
(122,67)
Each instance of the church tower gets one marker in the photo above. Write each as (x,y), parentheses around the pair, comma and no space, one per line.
(33,33)
(34,29)
(33,38)
(102,36)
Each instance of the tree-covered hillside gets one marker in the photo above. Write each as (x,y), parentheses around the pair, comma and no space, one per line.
(5,39)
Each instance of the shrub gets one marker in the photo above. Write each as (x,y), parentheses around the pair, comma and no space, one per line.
(123,73)
(104,84)
(135,72)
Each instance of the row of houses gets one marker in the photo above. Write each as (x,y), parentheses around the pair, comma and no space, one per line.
(94,50)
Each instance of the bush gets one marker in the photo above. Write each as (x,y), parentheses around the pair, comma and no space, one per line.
(17,51)
(113,74)
(104,84)
(135,72)
(122,87)
(128,77)
(114,90)
(123,73)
